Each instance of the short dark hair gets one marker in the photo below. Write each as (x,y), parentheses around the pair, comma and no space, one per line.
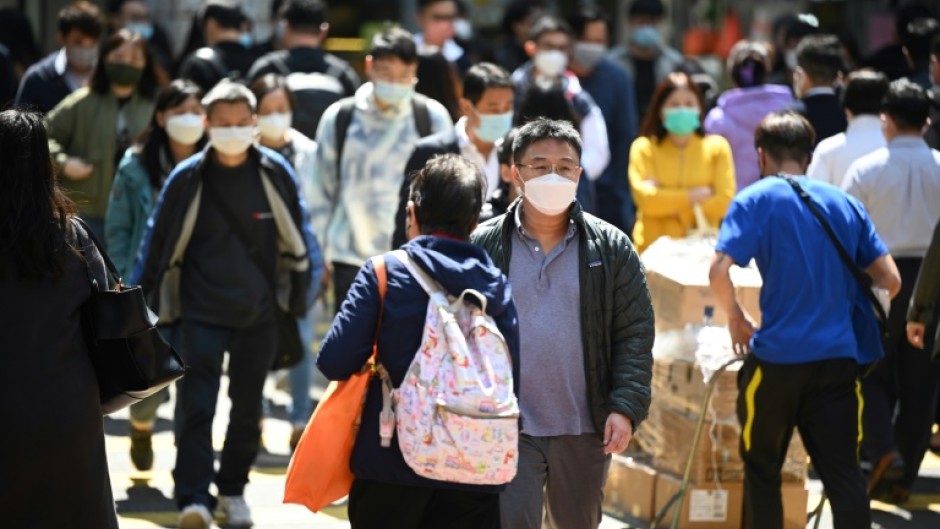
(584,16)
(448,196)
(916,40)
(268,83)
(504,149)
(650,8)
(785,137)
(548,24)
(544,129)
(546,101)
(304,15)
(228,14)
(820,56)
(394,41)
(906,104)
(229,91)
(101,83)
(482,76)
(864,91)
(423,4)
(82,16)
(652,126)
(519,10)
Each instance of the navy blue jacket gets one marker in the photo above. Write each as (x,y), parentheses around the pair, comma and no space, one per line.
(43,87)
(347,347)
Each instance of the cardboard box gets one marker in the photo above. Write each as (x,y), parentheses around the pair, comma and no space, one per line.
(705,506)
(680,384)
(630,489)
(708,507)
(677,276)
(667,434)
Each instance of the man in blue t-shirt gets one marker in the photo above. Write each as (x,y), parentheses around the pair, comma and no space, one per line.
(801,366)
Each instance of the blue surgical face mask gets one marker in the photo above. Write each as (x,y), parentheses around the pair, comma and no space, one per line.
(144,29)
(246,40)
(493,126)
(681,121)
(393,93)
(646,36)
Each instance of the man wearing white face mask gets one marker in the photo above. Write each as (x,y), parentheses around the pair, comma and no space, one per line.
(549,47)
(586,315)
(486,105)
(227,251)
(612,89)
(648,59)
(363,144)
(46,83)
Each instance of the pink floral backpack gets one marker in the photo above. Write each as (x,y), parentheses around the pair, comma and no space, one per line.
(455,412)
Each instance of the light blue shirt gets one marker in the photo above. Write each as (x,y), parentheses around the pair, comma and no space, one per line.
(900,187)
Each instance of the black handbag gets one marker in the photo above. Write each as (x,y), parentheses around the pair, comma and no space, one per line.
(289,349)
(131,359)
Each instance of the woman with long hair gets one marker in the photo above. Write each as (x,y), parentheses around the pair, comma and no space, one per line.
(176,132)
(55,470)
(675,167)
(91,128)
(275,111)
(740,110)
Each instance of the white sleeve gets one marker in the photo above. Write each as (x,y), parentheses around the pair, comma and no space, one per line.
(596,153)
(819,167)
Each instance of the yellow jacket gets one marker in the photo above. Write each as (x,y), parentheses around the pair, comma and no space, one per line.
(661,175)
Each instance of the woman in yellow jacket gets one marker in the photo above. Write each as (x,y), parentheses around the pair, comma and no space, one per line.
(675,166)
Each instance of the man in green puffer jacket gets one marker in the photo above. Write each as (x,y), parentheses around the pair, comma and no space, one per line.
(586,328)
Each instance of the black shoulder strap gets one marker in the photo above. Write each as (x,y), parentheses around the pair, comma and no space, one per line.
(419,105)
(860,275)
(280,64)
(343,119)
(112,270)
(238,228)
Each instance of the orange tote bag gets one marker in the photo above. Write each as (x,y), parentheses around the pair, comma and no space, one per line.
(319,472)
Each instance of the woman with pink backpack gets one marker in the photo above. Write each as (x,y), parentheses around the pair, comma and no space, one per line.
(469,323)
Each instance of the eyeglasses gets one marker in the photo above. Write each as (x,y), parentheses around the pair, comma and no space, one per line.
(566,170)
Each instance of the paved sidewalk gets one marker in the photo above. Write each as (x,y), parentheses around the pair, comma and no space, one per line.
(144,499)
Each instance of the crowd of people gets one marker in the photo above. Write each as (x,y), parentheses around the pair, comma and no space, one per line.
(240,181)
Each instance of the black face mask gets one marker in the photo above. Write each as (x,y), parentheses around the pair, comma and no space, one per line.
(123,74)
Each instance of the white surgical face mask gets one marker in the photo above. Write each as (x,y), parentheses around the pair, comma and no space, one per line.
(185,129)
(551,63)
(274,126)
(231,141)
(551,194)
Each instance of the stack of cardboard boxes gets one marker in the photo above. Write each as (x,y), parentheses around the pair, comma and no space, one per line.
(639,488)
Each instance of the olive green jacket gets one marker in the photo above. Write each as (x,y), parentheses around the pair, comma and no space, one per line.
(84,125)
(926,298)
(616,312)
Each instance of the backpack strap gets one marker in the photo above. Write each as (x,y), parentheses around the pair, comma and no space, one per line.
(419,107)
(343,119)
(433,288)
(381,276)
(280,64)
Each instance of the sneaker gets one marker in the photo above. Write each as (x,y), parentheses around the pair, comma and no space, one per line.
(195,516)
(237,513)
(142,448)
(295,436)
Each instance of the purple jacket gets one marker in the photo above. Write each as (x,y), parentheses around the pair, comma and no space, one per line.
(736,117)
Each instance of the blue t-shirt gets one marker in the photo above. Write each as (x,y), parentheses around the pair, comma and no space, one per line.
(809,295)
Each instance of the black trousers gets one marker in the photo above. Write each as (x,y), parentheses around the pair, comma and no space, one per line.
(822,400)
(375,505)
(251,351)
(902,391)
(343,277)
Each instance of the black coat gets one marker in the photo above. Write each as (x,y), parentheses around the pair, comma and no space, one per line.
(444,142)
(617,326)
(54,471)
(825,114)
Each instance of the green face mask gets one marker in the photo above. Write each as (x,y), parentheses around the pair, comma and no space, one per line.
(681,121)
(123,74)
